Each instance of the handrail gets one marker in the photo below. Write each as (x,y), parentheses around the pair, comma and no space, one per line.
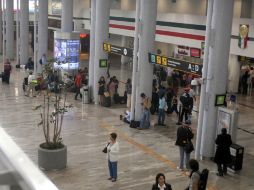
(22,166)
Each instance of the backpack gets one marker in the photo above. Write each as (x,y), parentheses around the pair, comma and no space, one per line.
(203,179)
(78,81)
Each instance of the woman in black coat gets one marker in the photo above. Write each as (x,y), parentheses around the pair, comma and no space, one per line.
(160,183)
(222,155)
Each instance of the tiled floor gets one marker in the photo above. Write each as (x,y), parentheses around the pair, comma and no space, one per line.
(143,153)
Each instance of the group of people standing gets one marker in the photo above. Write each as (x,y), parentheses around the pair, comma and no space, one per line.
(110,89)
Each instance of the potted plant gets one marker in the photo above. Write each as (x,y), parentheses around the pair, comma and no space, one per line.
(52,154)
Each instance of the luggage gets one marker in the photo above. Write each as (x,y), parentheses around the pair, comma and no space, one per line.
(203,179)
(3,77)
(107,101)
(116,98)
(18,66)
(134,124)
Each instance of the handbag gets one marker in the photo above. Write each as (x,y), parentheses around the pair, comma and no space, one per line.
(188,147)
(105,150)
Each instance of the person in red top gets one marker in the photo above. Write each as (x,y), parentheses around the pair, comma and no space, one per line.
(78,84)
(7,71)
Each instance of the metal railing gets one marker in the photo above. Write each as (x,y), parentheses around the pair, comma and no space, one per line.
(17,171)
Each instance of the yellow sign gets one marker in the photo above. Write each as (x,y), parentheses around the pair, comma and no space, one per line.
(158,60)
(106,47)
(164,61)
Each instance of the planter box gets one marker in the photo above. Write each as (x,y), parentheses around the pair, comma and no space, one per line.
(52,159)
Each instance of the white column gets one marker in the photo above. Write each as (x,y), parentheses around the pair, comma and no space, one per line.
(9,30)
(217,70)
(92,49)
(135,59)
(17,32)
(233,74)
(148,18)
(125,59)
(42,31)
(24,31)
(1,27)
(101,35)
(67,16)
(4,30)
(204,77)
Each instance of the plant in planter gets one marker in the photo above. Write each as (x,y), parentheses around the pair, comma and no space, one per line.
(52,154)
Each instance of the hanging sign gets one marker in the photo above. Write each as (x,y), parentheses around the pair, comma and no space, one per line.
(177,64)
(243,36)
(117,50)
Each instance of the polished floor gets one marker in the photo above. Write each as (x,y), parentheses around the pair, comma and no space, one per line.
(143,153)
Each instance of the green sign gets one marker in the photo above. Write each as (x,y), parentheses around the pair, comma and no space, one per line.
(103,63)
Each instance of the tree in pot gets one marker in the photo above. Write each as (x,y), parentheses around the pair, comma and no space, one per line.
(52,154)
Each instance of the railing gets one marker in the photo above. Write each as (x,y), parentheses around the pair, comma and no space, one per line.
(17,171)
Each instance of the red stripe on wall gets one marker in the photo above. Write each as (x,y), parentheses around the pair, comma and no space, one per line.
(163,32)
(180,35)
(122,27)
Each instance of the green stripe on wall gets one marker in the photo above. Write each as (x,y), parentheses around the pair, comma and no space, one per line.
(236,37)
(126,19)
(181,25)
(163,23)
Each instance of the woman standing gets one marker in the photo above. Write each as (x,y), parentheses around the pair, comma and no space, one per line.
(222,155)
(112,155)
(194,175)
(184,136)
(101,84)
(128,89)
(160,183)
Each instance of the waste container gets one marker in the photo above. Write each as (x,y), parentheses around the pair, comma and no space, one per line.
(236,152)
(85,95)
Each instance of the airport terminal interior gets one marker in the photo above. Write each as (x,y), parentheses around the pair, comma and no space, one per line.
(192,59)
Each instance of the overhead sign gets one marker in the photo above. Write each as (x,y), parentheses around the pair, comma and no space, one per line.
(177,64)
(117,50)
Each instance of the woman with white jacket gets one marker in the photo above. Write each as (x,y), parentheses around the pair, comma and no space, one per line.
(112,156)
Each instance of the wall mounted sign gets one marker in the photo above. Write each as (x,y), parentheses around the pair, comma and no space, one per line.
(183,50)
(195,52)
(177,64)
(117,50)
(243,36)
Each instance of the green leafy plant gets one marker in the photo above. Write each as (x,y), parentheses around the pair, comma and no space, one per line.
(53,107)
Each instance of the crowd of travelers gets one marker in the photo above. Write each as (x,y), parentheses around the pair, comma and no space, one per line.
(164,101)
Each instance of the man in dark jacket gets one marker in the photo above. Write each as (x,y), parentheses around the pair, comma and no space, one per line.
(222,156)
(184,134)
(187,105)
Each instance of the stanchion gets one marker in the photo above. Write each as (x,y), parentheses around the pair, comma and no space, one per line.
(179,115)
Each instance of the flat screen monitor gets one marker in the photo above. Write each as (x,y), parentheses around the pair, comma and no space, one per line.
(220,99)
(103,63)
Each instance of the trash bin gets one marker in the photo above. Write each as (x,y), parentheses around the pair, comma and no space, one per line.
(236,152)
(85,95)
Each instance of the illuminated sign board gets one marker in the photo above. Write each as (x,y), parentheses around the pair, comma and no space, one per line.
(177,64)
(117,50)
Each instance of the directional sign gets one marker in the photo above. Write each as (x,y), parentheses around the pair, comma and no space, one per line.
(177,64)
(117,50)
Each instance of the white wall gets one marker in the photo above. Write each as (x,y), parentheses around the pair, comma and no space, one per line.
(81,8)
(128,5)
(197,7)
(237,8)
(115,4)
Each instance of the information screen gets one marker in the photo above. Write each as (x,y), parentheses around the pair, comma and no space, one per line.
(66,53)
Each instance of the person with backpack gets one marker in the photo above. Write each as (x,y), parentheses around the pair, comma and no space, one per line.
(7,71)
(78,84)
(198,180)
(160,183)
(222,155)
(145,116)
(183,140)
